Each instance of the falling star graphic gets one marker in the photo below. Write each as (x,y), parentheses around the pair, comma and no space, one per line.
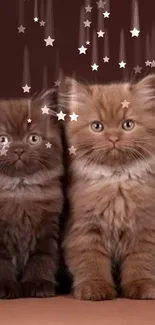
(122,62)
(148,50)
(94,64)
(26,72)
(49,26)
(82,33)
(21,28)
(152,42)
(42,14)
(106,57)
(36,11)
(100,24)
(135,30)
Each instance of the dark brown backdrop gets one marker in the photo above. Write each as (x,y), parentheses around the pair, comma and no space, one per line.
(66,26)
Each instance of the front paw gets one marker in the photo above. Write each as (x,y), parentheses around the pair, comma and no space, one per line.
(95,290)
(10,290)
(40,289)
(140,289)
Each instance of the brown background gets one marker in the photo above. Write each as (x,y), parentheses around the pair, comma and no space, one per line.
(65,50)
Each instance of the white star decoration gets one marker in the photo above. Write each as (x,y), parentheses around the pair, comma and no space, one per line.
(57,83)
(42,23)
(135,32)
(61,116)
(100,4)
(88,42)
(153,64)
(106,14)
(125,103)
(122,64)
(137,69)
(106,59)
(45,110)
(3,151)
(49,41)
(36,19)
(100,33)
(94,67)
(48,145)
(87,23)
(29,120)
(26,89)
(82,50)
(72,150)
(73,116)
(21,29)
(148,63)
(88,8)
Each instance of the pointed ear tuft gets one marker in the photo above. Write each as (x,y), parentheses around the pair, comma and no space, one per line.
(145,88)
(48,98)
(72,93)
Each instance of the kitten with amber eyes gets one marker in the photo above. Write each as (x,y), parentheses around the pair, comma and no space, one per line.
(31,197)
(111,188)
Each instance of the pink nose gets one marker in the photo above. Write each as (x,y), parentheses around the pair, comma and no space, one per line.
(113,139)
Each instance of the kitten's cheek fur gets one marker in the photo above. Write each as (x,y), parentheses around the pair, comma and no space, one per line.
(95,290)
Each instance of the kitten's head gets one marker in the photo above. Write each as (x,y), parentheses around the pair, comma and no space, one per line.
(106,133)
(29,140)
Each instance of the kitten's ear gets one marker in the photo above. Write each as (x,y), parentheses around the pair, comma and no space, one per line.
(48,98)
(72,93)
(145,88)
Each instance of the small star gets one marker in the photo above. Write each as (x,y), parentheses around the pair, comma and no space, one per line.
(153,64)
(148,63)
(72,150)
(3,151)
(26,89)
(100,33)
(88,42)
(125,103)
(57,83)
(88,8)
(29,120)
(106,14)
(45,110)
(36,19)
(61,116)
(87,23)
(94,67)
(42,23)
(106,59)
(73,116)
(7,145)
(122,64)
(137,69)
(82,50)
(49,41)
(21,29)
(135,32)
(100,4)
(48,145)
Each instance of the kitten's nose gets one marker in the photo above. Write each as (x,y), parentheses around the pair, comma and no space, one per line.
(113,139)
(19,151)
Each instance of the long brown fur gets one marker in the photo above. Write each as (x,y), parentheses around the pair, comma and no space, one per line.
(111,192)
(30,200)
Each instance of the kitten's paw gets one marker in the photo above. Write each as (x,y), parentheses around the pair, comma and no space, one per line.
(10,290)
(40,289)
(140,289)
(95,290)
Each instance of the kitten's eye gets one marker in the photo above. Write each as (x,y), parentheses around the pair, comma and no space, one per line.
(97,126)
(34,139)
(128,125)
(4,139)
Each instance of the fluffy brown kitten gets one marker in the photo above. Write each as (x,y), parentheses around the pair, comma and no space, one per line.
(30,198)
(111,188)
